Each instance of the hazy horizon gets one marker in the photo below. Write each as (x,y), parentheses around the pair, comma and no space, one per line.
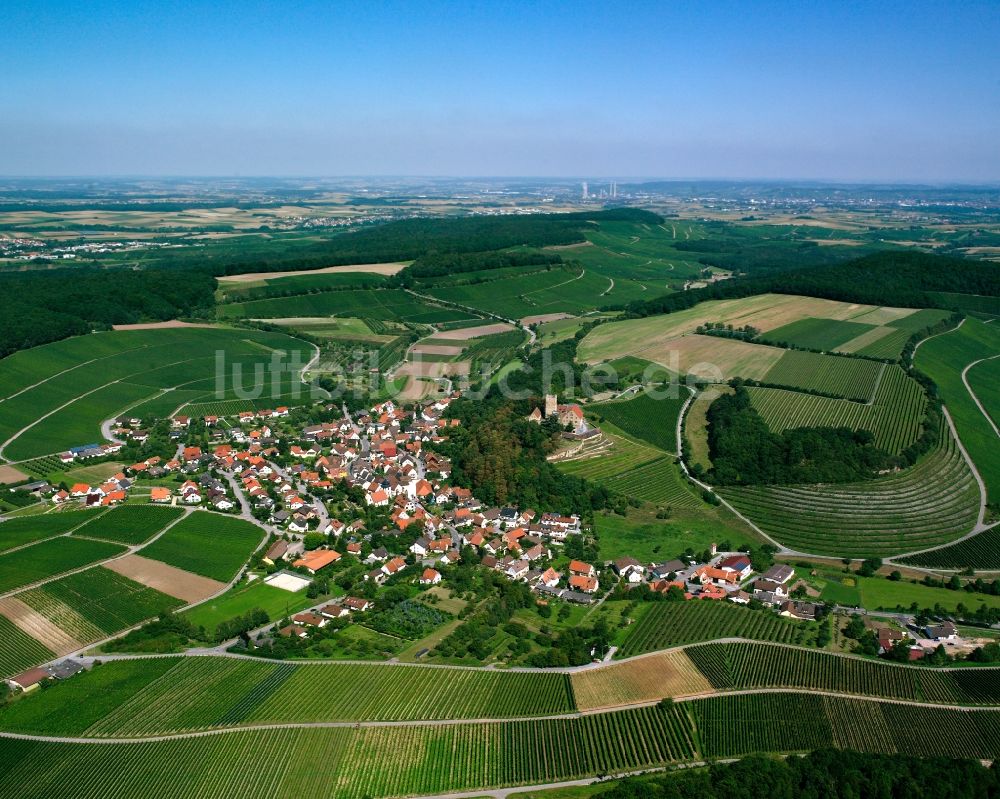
(765,91)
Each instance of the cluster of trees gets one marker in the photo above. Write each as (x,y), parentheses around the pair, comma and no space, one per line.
(408,239)
(501,456)
(240,625)
(440,264)
(884,278)
(827,773)
(39,307)
(744,451)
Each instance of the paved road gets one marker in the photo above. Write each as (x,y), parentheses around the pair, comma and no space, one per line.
(972,393)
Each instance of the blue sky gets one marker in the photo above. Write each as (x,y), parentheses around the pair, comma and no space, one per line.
(845,91)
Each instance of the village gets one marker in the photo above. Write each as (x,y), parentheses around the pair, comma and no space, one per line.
(362,504)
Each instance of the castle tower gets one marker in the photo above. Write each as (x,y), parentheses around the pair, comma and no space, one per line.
(551,405)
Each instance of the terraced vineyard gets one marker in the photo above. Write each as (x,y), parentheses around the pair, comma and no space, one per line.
(653,420)
(129,524)
(749,665)
(19,651)
(425,759)
(659,481)
(668,624)
(932,503)
(894,417)
(49,558)
(852,378)
(623,456)
(28,529)
(96,603)
(208,544)
(981,552)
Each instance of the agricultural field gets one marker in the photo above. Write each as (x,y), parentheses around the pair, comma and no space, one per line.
(129,524)
(646,416)
(561,290)
(927,505)
(96,603)
(619,456)
(645,679)
(972,303)
(20,651)
(734,667)
(208,544)
(669,624)
(766,312)
(117,370)
(731,726)
(381,304)
(18,532)
(944,358)
(143,697)
(816,334)
(879,334)
(980,552)
(852,378)
(659,482)
(434,759)
(894,416)
(427,759)
(50,558)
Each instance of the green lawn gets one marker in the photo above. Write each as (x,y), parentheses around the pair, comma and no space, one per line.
(258,594)
(653,540)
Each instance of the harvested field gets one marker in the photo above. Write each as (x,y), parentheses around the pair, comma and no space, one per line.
(374,269)
(465,333)
(10,474)
(765,312)
(38,627)
(158,325)
(417,389)
(435,349)
(883,316)
(715,358)
(641,680)
(545,317)
(166,579)
(433,368)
